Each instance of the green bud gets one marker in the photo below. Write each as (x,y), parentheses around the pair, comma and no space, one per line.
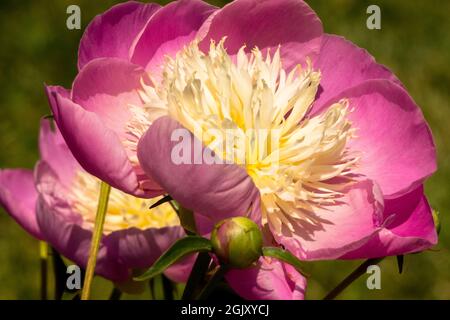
(437,221)
(237,242)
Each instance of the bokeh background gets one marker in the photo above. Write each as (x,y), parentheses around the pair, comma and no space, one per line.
(414,42)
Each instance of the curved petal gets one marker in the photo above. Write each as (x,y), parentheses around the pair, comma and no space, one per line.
(18,197)
(51,92)
(97,148)
(169,30)
(270,279)
(137,248)
(393,139)
(204,224)
(215,190)
(180,271)
(268,24)
(55,152)
(343,65)
(410,228)
(340,228)
(113,33)
(61,227)
(108,87)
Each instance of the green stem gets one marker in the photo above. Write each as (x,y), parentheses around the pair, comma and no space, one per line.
(115,294)
(178,289)
(150,287)
(351,277)
(43,250)
(197,275)
(102,207)
(161,288)
(59,271)
(213,282)
(158,288)
(168,287)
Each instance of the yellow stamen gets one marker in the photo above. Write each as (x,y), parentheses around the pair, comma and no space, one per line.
(298,162)
(124,211)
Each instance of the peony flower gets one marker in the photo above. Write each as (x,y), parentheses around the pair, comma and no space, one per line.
(337,172)
(344,179)
(58,204)
(116,51)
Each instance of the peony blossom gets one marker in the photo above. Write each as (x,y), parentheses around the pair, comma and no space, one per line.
(116,51)
(57,203)
(342,170)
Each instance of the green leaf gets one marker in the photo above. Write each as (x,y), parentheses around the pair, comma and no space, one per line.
(161,201)
(178,250)
(285,256)
(186,216)
(158,288)
(400,259)
(187,220)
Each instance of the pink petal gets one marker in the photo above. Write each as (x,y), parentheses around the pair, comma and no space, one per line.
(113,33)
(51,92)
(340,228)
(268,24)
(97,148)
(393,138)
(108,87)
(180,271)
(344,65)
(138,248)
(73,242)
(268,280)
(54,151)
(410,228)
(61,227)
(18,197)
(169,30)
(214,190)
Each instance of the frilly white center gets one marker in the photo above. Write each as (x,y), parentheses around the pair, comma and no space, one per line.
(305,162)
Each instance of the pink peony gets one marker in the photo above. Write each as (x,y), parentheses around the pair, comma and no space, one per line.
(344,178)
(58,203)
(116,50)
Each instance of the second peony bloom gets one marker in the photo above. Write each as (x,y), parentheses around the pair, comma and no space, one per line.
(57,203)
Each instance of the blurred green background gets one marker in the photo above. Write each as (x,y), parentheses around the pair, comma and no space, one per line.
(414,42)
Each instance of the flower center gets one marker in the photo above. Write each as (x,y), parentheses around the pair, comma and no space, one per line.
(124,211)
(298,162)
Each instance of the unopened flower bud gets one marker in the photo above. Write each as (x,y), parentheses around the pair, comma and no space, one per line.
(237,242)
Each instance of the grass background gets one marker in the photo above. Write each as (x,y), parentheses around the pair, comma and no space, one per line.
(414,42)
